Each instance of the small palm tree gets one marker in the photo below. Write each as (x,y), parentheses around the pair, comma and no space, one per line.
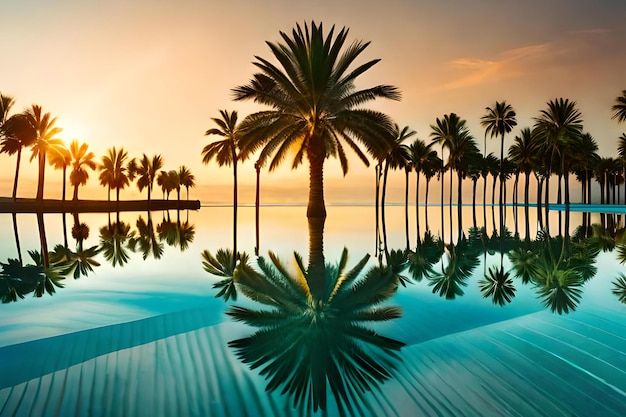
(81,161)
(523,153)
(146,171)
(59,157)
(186,179)
(558,126)
(499,121)
(225,152)
(45,138)
(114,171)
(16,133)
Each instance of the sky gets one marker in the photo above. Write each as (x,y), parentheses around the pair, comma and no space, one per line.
(149,75)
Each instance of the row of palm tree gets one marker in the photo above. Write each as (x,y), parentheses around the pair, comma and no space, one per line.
(314,112)
(35,130)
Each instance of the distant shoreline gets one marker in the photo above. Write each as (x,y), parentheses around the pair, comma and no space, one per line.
(30,205)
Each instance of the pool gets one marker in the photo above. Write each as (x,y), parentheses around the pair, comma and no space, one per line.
(148,336)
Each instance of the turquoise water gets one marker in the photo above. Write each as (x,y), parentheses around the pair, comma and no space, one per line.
(150,338)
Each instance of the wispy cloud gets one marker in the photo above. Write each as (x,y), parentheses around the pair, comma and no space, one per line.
(509,64)
(571,47)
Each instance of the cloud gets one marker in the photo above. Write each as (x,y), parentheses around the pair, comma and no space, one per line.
(571,49)
(509,64)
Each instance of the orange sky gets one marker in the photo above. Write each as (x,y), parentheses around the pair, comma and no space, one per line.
(148,75)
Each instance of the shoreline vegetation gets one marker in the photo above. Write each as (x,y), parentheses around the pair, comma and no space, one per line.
(33,205)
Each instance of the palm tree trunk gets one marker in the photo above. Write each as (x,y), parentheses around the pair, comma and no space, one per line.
(475,182)
(316,153)
(41,174)
(42,239)
(64,173)
(256,208)
(17,172)
(75,196)
(406,205)
(316,271)
(417,211)
(382,203)
(17,239)
(235,204)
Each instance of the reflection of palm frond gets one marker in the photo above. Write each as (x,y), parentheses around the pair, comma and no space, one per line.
(523,261)
(223,265)
(397,261)
(462,261)
(112,242)
(498,285)
(79,263)
(306,345)
(49,276)
(619,288)
(146,240)
(621,253)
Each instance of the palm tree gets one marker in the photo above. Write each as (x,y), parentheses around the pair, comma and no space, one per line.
(558,126)
(114,171)
(619,108)
(16,133)
(314,106)
(523,153)
(59,157)
(46,138)
(397,157)
(499,121)
(81,161)
(225,153)
(146,170)
(419,153)
(452,133)
(186,179)
(431,168)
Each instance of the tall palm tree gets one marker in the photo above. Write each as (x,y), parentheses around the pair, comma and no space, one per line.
(114,171)
(523,153)
(558,126)
(499,121)
(81,161)
(225,152)
(451,132)
(16,133)
(398,157)
(59,157)
(186,178)
(46,133)
(146,171)
(619,108)
(314,106)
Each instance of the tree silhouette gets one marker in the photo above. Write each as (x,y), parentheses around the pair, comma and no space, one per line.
(45,139)
(81,161)
(314,106)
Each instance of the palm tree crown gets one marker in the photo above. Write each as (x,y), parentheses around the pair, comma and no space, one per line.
(81,160)
(114,172)
(45,132)
(619,108)
(314,106)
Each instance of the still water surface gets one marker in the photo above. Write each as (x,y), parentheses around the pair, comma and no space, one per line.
(148,336)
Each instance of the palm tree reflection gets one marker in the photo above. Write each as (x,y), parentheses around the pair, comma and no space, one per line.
(314,334)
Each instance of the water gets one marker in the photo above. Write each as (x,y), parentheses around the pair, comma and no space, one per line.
(149,337)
